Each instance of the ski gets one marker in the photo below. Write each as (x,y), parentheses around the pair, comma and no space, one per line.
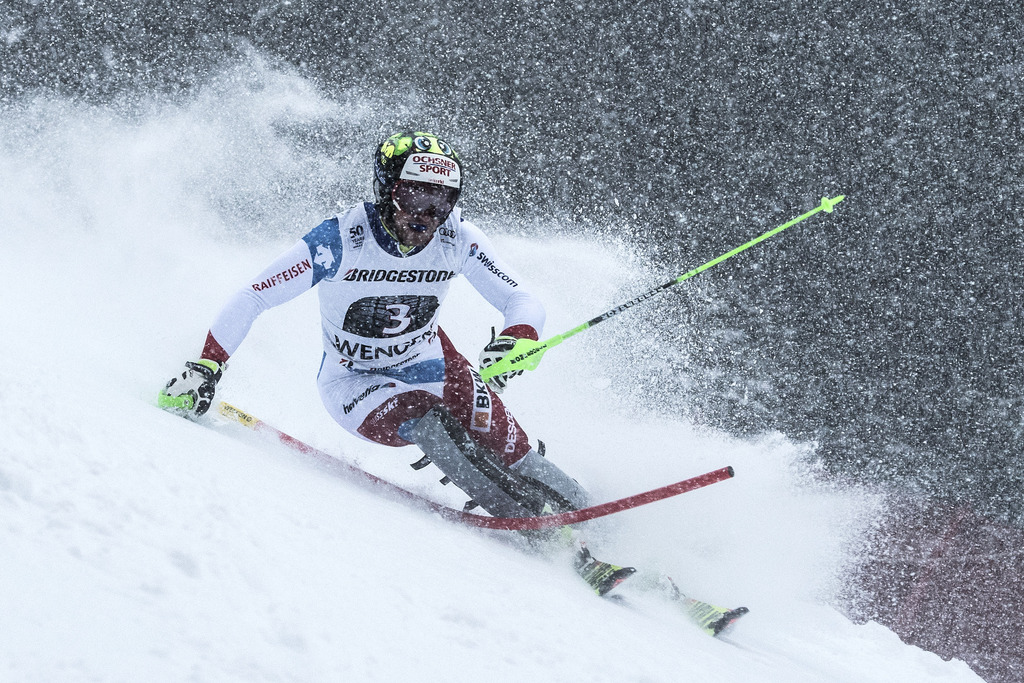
(712,619)
(357,474)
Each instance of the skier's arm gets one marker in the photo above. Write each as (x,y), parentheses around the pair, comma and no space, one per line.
(522,310)
(487,271)
(288,276)
(316,256)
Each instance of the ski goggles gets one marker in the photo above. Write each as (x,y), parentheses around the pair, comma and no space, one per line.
(424,198)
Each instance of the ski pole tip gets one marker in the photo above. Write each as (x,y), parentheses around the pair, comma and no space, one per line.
(827,204)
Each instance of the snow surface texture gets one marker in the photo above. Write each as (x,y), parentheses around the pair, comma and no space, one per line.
(137,546)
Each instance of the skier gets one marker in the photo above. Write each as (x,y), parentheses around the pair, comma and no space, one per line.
(388,373)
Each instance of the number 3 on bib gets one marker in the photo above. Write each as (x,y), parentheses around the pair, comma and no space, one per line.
(383,317)
(400,317)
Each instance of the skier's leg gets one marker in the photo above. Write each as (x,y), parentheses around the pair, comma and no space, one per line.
(483,415)
(372,406)
(491,424)
(389,411)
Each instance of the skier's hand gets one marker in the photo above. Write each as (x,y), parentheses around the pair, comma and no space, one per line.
(495,350)
(191,394)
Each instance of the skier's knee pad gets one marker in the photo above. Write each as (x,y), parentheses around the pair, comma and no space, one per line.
(538,468)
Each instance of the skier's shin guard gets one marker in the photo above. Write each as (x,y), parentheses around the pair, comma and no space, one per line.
(563,488)
(473,468)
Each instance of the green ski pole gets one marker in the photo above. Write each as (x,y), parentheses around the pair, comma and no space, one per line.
(526,354)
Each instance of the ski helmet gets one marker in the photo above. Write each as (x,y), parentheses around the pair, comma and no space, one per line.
(414,156)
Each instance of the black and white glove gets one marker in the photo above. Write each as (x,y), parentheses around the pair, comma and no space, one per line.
(495,350)
(191,394)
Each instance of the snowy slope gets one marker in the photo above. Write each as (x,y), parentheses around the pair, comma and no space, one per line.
(138,546)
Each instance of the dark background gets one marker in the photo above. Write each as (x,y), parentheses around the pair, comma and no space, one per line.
(888,333)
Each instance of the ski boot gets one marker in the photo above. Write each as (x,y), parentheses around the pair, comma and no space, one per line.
(601,576)
(711,619)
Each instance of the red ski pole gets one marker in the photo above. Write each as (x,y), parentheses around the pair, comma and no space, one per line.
(505,523)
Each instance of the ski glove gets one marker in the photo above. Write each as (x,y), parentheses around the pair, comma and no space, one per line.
(498,347)
(191,394)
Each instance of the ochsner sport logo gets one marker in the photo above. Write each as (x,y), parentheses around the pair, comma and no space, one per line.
(432,168)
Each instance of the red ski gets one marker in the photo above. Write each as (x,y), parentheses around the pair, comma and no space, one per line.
(506,523)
